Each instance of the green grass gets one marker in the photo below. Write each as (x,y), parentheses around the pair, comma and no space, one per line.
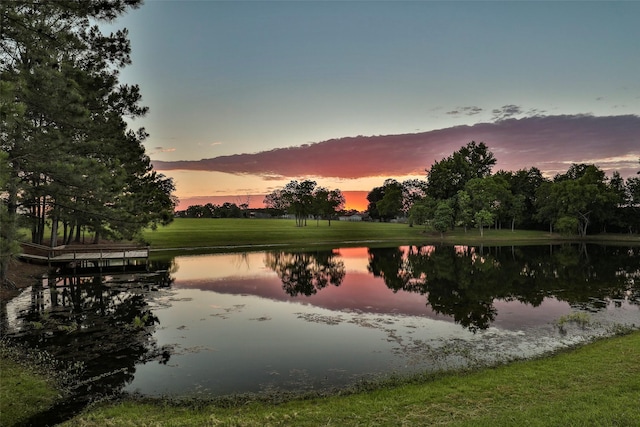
(213,233)
(23,392)
(190,233)
(224,234)
(598,384)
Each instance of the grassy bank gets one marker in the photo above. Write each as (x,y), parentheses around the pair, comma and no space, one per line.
(190,233)
(216,233)
(598,384)
(24,392)
(224,233)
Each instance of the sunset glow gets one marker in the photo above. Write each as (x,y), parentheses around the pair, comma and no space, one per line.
(246,96)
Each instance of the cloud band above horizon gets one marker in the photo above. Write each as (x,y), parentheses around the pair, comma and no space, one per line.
(550,143)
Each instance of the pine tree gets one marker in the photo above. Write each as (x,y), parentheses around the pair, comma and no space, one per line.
(73,161)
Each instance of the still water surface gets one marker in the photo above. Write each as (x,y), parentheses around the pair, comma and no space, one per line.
(276,321)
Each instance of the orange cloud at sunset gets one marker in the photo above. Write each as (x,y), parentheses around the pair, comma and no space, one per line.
(356,165)
(356,200)
(550,143)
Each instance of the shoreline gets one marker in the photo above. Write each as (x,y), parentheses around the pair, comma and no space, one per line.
(27,273)
(22,274)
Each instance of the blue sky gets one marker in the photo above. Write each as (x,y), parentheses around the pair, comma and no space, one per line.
(226,78)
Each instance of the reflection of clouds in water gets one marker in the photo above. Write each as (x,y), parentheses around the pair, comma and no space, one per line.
(363,328)
(179,350)
(319,318)
(227,311)
(286,345)
(431,345)
(466,284)
(220,266)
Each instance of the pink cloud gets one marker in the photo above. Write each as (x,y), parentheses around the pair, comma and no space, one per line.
(550,143)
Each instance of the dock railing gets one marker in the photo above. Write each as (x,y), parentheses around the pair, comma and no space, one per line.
(99,254)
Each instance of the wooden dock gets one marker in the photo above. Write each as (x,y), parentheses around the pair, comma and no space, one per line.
(86,256)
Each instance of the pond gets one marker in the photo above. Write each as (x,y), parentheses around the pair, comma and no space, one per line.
(315,321)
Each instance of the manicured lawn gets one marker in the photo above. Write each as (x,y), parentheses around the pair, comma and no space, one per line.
(222,234)
(199,233)
(23,393)
(598,384)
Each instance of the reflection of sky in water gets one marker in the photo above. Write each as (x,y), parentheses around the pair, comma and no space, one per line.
(231,326)
(241,274)
(213,267)
(516,315)
(237,343)
(234,329)
(225,266)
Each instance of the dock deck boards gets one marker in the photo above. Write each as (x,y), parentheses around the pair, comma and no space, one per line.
(80,257)
(94,256)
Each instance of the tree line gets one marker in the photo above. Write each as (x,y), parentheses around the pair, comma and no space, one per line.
(210,210)
(461,190)
(69,160)
(303,200)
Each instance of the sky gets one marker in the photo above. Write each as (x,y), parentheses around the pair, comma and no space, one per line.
(245,96)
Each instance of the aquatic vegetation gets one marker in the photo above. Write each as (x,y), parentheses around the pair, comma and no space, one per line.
(579,318)
(139,322)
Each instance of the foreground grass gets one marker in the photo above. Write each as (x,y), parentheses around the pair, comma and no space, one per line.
(223,234)
(214,233)
(598,384)
(23,392)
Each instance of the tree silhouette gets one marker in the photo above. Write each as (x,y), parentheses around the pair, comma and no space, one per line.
(305,273)
(464,282)
(106,326)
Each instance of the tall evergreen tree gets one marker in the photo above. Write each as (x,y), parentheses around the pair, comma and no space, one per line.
(71,154)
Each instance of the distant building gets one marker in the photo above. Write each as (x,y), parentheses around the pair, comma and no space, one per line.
(356,217)
(259,214)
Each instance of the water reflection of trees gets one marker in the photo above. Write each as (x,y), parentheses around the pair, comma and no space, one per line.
(104,322)
(463,282)
(306,272)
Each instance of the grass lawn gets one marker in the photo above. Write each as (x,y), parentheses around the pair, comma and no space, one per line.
(212,233)
(23,393)
(595,385)
(598,384)
(224,234)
